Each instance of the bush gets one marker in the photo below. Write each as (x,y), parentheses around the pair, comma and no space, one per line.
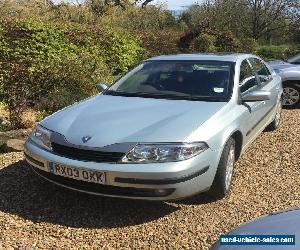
(50,66)
(160,42)
(2,45)
(226,42)
(137,19)
(64,81)
(248,45)
(272,52)
(15,91)
(122,51)
(203,43)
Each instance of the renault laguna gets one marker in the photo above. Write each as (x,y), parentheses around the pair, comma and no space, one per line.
(172,127)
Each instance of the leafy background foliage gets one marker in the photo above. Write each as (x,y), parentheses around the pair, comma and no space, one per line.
(49,66)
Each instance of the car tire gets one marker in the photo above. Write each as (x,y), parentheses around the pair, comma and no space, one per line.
(223,178)
(291,96)
(276,122)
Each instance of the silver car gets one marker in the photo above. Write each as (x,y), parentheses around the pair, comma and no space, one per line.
(171,128)
(289,72)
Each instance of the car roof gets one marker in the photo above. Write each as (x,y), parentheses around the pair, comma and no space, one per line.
(228,57)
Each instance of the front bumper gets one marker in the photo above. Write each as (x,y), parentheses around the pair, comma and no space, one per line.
(155,181)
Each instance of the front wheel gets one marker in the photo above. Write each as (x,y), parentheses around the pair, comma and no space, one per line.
(275,123)
(223,178)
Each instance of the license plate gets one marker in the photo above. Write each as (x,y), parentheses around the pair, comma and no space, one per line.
(77,173)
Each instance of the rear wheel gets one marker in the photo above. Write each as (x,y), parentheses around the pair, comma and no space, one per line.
(291,96)
(223,178)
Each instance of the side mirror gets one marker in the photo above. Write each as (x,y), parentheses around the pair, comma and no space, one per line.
(265,78)
(256,96)
(101,87)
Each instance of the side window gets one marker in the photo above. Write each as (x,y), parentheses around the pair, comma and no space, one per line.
(261,70)
(247,77)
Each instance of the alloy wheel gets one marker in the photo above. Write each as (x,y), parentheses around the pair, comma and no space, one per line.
(290,96)
(278,114)
(229,167)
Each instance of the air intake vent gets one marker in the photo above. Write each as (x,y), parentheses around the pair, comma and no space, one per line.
(86,154)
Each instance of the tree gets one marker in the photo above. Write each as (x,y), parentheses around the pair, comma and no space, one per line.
(258,19)
(144,2)
(99,6)
(267,16)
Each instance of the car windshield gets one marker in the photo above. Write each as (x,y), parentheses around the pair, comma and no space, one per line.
(189,80)
(295,59)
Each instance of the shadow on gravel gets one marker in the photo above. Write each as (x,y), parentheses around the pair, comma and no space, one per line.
(24,194)
(197,200)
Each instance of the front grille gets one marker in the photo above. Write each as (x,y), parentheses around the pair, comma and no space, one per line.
(86,154)
(104,189)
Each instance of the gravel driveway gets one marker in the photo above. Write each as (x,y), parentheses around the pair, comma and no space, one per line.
(35,214)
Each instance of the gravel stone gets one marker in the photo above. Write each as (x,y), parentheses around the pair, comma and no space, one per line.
(14,145)
(35,214)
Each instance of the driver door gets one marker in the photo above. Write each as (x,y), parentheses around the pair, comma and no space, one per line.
(253,111)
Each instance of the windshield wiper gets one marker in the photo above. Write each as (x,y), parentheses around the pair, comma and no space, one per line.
(148,94)
(183,96)
(118,93)
(170,95)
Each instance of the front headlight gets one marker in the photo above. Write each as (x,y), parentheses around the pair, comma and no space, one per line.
(164,152)
(41,136)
